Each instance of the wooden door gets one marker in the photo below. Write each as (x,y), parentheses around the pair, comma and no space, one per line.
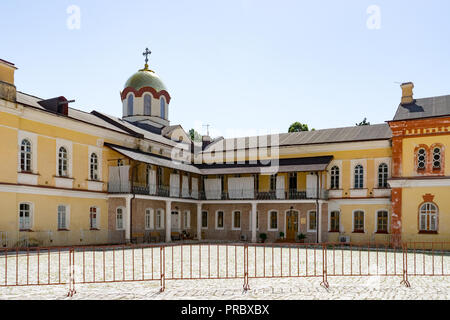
(291,225)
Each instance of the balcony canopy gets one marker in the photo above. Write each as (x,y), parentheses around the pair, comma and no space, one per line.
(311,164)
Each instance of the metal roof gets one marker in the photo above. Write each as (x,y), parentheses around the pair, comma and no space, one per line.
(336,135)
(424,108)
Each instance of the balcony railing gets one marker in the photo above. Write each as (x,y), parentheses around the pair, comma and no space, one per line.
(179,193)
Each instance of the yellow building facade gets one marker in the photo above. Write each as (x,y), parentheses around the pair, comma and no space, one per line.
(74,178)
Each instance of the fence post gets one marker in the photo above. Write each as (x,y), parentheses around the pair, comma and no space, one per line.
(405,280)
(325,283)
(72,290)
(162,267)
(246,285)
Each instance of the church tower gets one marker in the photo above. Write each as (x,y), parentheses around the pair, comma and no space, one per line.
(145,98)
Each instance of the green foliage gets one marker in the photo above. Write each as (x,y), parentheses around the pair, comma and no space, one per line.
(263,236)
(363,123)
(301,236)
(195,136)
(298,127)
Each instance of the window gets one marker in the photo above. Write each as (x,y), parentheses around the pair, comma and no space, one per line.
(160,219)
(293,181)
(119,219)
(25,156)
(219,220)
(236,220)
(428,218)
(62,217)
(120,163)
(312,221)
(437,158)
(382,222)
(273,182)
(147,105)
(93,218)
(130,103)
(94,167)
(163,108)
(256,180)
(187,220)
(205,219)
(421,159)
(335,172)
(383,176)
(359,177)
(159,172)
(358,222)
(335,221)
(149,219)
(273,220)
(62,162)
(25,216)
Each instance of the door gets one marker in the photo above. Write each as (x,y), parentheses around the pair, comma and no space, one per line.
(175,221)
(291,225)
(311,186)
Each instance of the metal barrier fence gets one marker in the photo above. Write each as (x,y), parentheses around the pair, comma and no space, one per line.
(139,263)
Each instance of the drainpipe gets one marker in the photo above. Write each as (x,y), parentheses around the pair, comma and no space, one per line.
(131,202)
(317,209)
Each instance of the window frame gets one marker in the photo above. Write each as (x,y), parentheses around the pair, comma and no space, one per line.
(269,221)
(147,108)
(309,221)
(26,156)
(377,222)
(335,176)
(93,167)
(233,220)
(428,215)
(217,220)
(121,226)
(383,176)
(354,229)
(64,227)
(130,104)
(95,227)
(205,213)
(63,161)
(358,183)
(159,219)
(149,222)
(30,210)
(187,220)
(331,219)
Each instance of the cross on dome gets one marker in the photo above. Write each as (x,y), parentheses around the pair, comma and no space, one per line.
(146,54)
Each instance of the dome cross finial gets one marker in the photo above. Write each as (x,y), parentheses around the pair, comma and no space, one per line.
(146,54)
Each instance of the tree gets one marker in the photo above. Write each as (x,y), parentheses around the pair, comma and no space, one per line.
(298,127)
(363,123)
(195,136)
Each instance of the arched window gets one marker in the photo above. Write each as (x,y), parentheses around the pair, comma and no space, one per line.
(130,104)
(437,158)
(335,172)
(25,216)
(383,175)
(119,219)
(163,108)
(421,159)
(147,105)
(94,167)
(428,217)
(25,156)
(359,177)
(62,162)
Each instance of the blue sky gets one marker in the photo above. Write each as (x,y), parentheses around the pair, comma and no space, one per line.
(242,66)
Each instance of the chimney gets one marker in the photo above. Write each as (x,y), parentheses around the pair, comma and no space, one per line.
(407,93)
(206,140)
(7,87)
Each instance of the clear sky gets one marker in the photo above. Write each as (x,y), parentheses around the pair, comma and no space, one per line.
(242,66)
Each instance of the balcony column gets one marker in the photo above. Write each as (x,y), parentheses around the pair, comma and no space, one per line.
(168,221)
(254,213)
(319,225)
(199,221)
(128,219)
